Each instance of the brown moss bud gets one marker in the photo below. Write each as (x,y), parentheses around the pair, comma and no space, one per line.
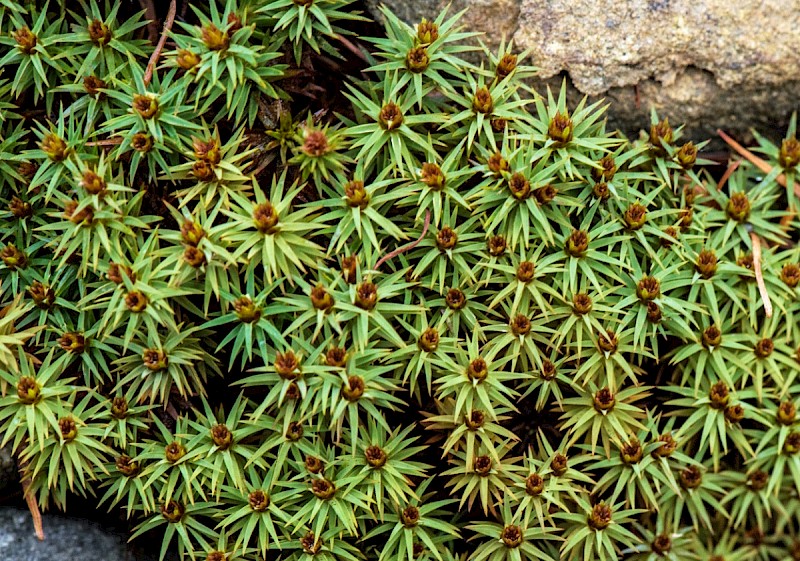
(354,388)
(534,485)
(174,451)
(606,169)
(145,105)
(246,310)
(475,419)
(427,32)
(497,164)
(92,183)
(712,337)
(519,186)
(92,86)
(577,243)
(356,195)
(207,150)
(559,464)
(84,216)
(348,267)
(322,488)
(68,428)
(25,39)
(706,263)
(512,536)
(19,208)
(116,271)
(287,365)
(604,400)
(477,370)
(608,341)
(310,544)
(600,517)
(455,299)
(265,218)
(482,465)
(126,466)
(506,65)
(99,33)
(525,271)
(28,170)
(764,348)
(155,359)
(216,555)
(757,480)
(672,233)
(313,464)
(792,443)
(417,59)
(428,340)
(135,301)
(734,413)
(636,216)
(214,38)
(55,147)
(738,208)
(790,274)
(119,407)
(787,412)
(315,143)
(186,59)
(375,456)
(294,431)
(654,314)
(631,452)
(72,342)
(545,195)
(446,239)
(667,448)
(173,511)
(685,216)
(649,288)
(560,129)
(661,133)
(203,171)
(520,325)
(142,142)
(192,233)
(28,390)
(234,23)
(321,299)
(390,117)
(581,304)
(482,101)
(43,296)
(719,395)
(687,155)
(789,154)
(601,191)
(432,176)
(496,245)
(13,258)
(366,296)
(691,477)
(336,356)
(661,545)
(549,370)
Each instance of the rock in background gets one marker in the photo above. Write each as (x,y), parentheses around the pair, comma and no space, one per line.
(731,64)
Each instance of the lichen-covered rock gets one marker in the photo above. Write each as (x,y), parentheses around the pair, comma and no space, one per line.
(708,63)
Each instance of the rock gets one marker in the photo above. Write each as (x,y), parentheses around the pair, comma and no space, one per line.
(8,470)
(706,63)
(66,539)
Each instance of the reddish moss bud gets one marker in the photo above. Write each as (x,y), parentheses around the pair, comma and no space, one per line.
(354,388)
(789,154)
(173,511)
(194,257)
(355,194)
(375,456)
(687,155)
(577,243)
(28,390)
(719,396)
(26,40)
(497,164)
(604,400)
(55,147)
(427,32)
(265,218)
(428,340)
(606,169)
(636,216)
(691,477)
(390,117)
(366,296)
(512,536)
(432,176)
(506,65)
(455,299)
(519,186)
(246,310)
(477,370)
(99,33)
(560,129)
(92,183)
(72,342)
(661,132)
(706,263)
(142,142)
(92,86)
(13,258)
(145,105)
(790,274)
(496,245)
(186,59)
(323,489)
(600,517)
(482,101)
(417,59)
(214,38)
(135,301)
(43,296)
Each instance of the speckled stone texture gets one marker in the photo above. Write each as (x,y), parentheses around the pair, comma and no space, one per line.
(732,64)
(66,539)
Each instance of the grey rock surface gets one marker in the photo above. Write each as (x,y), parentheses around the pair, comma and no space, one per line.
(66,539)
(706,63)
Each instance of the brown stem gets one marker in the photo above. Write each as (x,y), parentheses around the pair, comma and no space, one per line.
(408,246)
(728,172)
(151,65)
(30,500)
(152,19)
(762,287)
(106,142)
(755,160)
(350,46)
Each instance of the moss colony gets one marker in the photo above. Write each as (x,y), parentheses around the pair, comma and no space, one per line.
(445,317)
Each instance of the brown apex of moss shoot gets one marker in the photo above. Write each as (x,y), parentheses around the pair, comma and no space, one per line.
(604,400)
(549,370)
(738,208)
(636,216)
(506,65)
(631,452)
(43,296)
(390,117)
(25,39)
(687,155)
(428,340)
(661,132)
(221,436)
(764,348)
(787,412)
(173,511)
(187,59)
(234,23)
(84,216)
(13,258)
(525,271)
(417,59)
(455,299)
(117,270)
(608,341)
(432,176)
(68,428)
(790,274)
(560,129)
(99,33)
(320,298)
(482,465)
(92,183)
(92,86)
(653,312)
(559,464)
(119,407)
(142,142)
(649,288)
(322,488)
(600,517)
(577,243)
(72,342)
(310,544)
(606,170)
(792,443)
(354,388)
(155,359)
(28,390)
(145,105)
(477,370)
(712,337)
(294,431)
(19,208)
(366,296)
(581,304)
(287,365)
(534,485)
(496,245)
(520,325)
(214,38)
(217,556)
(446,239)
(601,191)
(207,150)
(482,101)
(375,456)
(757,480)
(519,186)
(691,477)
(356,195)
(545,195)
(475,419)
(427,32)
(511,536)
(661,545)
(126,466)
(174,451)
(719,395)
(706,263)
(192,232)
(265,218)
(348,267)
(203,171)
(336,356)
(315,143)
(734,413)
(667,448)
(246,310)
(135,301)
(55,147)
(789,153)
(497,164)
(313,464)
